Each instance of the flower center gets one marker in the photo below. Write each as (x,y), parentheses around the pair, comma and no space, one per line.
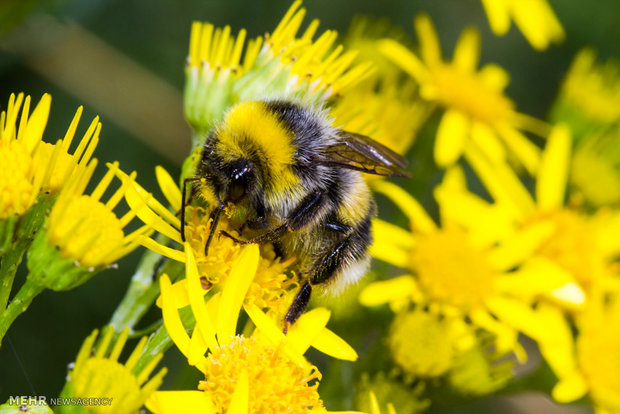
(469,93)
(420,344)
(270,283)
(276,384)
(85,230)
(15,179)
(222,250)
(573,246)
(451,270)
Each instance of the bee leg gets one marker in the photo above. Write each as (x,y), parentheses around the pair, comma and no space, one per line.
(298,306)
(332,262)
(306,213)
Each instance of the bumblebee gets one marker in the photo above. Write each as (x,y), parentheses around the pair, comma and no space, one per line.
(300,181)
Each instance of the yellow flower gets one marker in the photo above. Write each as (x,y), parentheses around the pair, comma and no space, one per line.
(480,369)
(590,90)
(263,372)
(281,62)
(82,235)
(31,166)
(98,373)
(269,289)
(477,113)
(534,18)
(362,36)
(466,266)
(391,392)
(582,246)
(589,363)
(374,405)
(84,228)
(426,345)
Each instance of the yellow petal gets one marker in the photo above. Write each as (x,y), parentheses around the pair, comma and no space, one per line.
(506,336)
(525,150)
(179,294)
(404,58)
(555,339)
(486,139)
(240,399)
(498,16)
(494,76)
(451,136)
(195,293)
(539,276)
(197,349)
(454,179)
(389,233)
(502,183)
(151,244)
(170,402)
(169,188)
(416,214)
(570,388)
(398,288)
(37,122)
(467,50)
(307,328)
(331,344)
(172,320)
(537,22)
(272,333)
(138,203)
(486,223)
(427,37)
(387,243)
(553,174)
(522,245)
(374,404)
(237,285)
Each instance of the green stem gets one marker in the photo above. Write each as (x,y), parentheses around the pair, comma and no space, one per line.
(140,295)
(18,305)
(160,341)
(143,289)
(9,263)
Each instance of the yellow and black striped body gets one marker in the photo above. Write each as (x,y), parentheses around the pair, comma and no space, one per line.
(263,157)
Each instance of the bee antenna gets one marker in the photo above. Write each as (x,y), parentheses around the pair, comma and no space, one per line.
(216,219)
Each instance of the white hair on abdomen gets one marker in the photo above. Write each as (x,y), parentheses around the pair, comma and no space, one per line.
(347,276)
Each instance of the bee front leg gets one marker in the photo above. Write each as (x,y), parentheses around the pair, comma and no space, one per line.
(307,212)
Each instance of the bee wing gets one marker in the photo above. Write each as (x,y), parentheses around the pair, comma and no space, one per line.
(361,153)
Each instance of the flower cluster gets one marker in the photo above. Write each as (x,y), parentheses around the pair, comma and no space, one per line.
(513,254)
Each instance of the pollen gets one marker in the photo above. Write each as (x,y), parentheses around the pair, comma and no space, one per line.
(222,251)
(420,344)
(469,93)
(276,384)
(451,269)
(271,282)
(16,185)
(86,230)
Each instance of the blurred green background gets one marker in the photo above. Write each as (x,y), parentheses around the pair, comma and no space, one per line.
(123,60)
